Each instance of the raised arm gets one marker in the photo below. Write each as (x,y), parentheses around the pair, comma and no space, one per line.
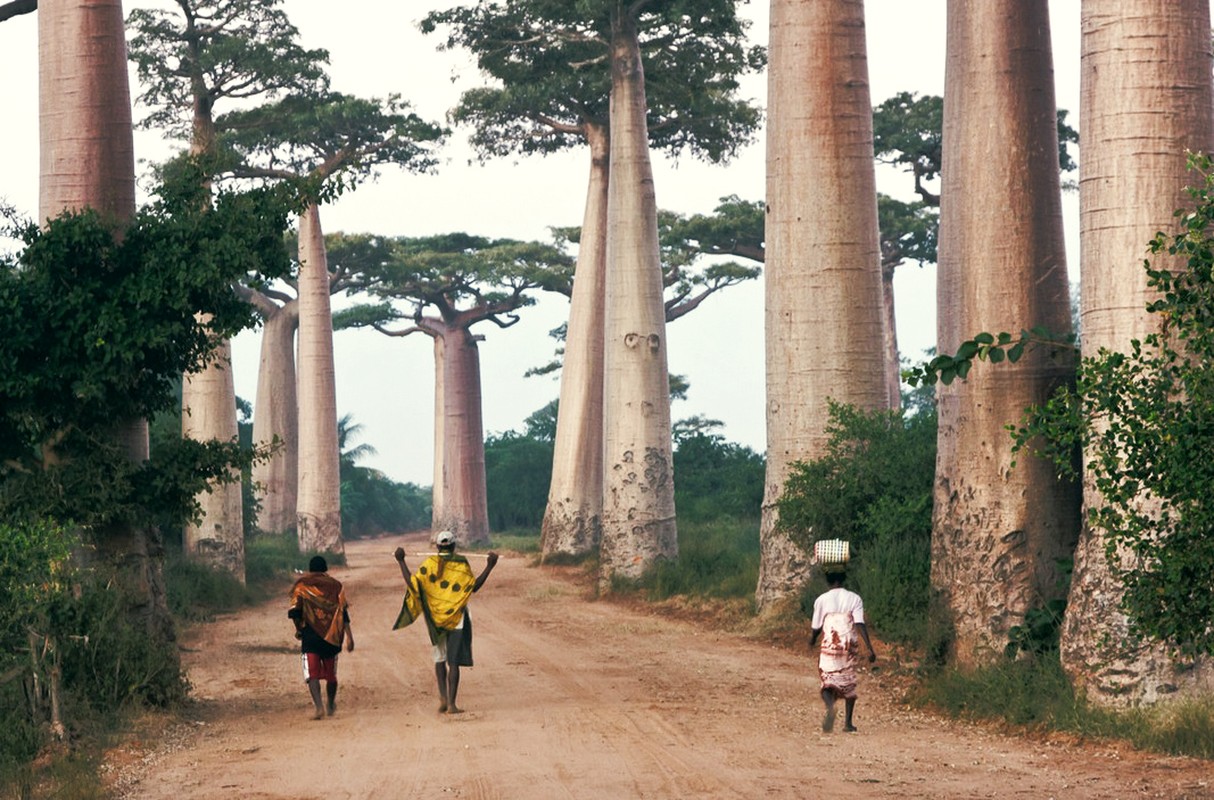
(399,555)
(490,563)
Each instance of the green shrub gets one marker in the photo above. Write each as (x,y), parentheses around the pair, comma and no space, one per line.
(518,471)
(717,559)
(873,488)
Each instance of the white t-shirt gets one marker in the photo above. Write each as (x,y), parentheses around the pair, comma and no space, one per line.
(838,601)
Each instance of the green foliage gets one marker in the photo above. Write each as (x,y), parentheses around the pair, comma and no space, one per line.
(873,488)
(718,558)
(714,478)
(1036,693)
(371,503)
(55,613)
(549,60)
(216,50)
(328,135)
(518,471)
(98,331)
(1143,419)
(490,278)
(993,347)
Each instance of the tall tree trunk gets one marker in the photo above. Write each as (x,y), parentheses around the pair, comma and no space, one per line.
(439,513)
(318,510)
(218,538)
(824,319)
(999,533)
(275,416)
(638,500)
(87,160)
(889,329)
(208,413)
(466,506)
(1145,98)
(573,519)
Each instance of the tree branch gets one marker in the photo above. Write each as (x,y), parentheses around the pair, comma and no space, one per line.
(17,8)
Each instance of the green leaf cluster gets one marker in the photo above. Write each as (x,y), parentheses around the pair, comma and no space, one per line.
(872,488)
(549,62)
(1144,421)
(97,329)
(993,347)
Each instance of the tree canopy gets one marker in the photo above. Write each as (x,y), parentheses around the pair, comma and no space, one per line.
(98,330)
(550,69)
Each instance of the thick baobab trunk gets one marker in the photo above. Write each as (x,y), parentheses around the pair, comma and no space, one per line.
(466,508)
(573,519)
(1145,98)
(275,417)
(438,493)
(318,509)
(87,160)
(86,153)
(999,533)
(638,493)
(208,414)
(889,329)
(824,323)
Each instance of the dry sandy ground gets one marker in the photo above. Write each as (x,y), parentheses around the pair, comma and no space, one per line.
(575,698)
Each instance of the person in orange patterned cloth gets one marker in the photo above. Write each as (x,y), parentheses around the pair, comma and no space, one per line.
(838,618)
(322,622)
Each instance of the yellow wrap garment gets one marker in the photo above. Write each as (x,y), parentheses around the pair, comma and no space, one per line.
(446,586)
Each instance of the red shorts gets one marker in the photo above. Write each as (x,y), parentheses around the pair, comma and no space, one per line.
(317,668)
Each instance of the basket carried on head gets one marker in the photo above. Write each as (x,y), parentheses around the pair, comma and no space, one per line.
(831,552)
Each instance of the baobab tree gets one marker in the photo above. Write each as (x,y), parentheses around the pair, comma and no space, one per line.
(189,61)
(451,283)
(551,59)
(824,323)
(318,141)
(998,533)
(87,160)
(1145,99)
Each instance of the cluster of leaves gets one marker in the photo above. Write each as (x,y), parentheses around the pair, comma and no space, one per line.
(714,478)
(551,66)
(993,347)
(1143,420)
(873,488)
(56,614)
(97,330)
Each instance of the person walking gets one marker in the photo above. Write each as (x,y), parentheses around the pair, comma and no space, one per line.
(322,622)
(838,619)
(440,591)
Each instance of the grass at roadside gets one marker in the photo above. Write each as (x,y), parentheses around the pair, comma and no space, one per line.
(1035,694)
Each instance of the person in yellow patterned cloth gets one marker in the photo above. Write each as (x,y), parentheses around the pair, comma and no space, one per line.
(439,592)
(322,622)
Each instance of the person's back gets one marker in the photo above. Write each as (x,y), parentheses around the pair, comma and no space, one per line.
(838,618)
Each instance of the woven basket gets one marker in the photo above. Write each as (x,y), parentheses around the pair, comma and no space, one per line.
(832,551)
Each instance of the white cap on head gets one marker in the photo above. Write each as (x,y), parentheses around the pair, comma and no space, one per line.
(444,539)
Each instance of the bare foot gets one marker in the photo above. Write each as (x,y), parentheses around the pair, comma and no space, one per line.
(828,722)
(442,707)
(455,710)
(850,729)
(319,713)
(332,707)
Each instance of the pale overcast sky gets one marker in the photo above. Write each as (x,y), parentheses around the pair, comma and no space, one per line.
(386,384)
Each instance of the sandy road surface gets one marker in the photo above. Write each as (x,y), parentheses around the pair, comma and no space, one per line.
(573,698)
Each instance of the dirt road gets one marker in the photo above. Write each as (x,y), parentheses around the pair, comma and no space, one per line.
(572,698)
